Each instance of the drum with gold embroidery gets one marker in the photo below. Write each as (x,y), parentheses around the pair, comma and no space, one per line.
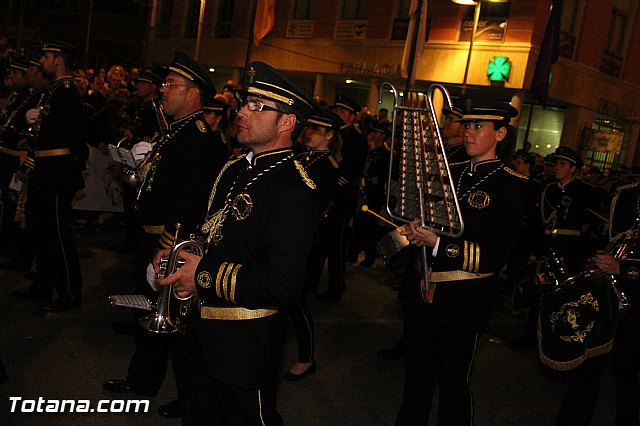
(577,321)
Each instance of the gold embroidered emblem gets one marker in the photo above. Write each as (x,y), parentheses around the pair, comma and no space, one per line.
(204,279)
(453,250)
(479,200)
(251,74)
(242,206)
(568,313)
(633,273)
(303,174)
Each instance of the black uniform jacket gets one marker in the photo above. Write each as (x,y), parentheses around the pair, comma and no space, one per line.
(259,263)
(492,199)
(63,126)
(177,187)
(354,156)
(625,213)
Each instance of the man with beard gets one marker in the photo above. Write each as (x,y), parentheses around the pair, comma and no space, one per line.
(175,179)
(259,227)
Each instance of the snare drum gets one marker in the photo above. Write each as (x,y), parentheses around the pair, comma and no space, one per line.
(394,249)
(577,320)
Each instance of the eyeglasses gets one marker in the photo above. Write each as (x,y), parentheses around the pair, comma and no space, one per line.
(170,84)
(254,106)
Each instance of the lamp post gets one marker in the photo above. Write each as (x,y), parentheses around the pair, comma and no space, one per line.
(476,18)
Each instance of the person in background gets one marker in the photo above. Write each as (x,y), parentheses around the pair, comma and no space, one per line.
(175,179)
(321,159)
(354,155)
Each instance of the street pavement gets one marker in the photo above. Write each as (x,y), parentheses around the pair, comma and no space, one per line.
(67,355)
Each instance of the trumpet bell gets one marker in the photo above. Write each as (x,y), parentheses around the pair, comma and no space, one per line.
(130,177)
(157,323)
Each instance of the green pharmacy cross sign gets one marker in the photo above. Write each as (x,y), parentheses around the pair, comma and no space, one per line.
(499,69)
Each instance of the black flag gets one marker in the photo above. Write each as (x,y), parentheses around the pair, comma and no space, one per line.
(549,52)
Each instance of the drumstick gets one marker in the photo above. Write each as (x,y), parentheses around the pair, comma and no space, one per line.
(365,208)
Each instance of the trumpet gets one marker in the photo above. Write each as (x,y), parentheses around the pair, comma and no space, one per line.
(130,174)
(163,320)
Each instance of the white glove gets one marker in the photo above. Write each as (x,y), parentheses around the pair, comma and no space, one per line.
(151,277)
(31,115)
(140,149)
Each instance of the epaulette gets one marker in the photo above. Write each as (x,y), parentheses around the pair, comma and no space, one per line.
(202,127)
(303,174)
(66,82)
(514,173)
(333,161)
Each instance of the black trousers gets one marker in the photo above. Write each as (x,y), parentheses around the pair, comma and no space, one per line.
(148,365)
(436,354)
(304,329)
(48,215)
(581,396)
(330,248)
(212,403)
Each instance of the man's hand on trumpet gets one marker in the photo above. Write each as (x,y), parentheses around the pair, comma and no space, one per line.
(182,279)
(419,236)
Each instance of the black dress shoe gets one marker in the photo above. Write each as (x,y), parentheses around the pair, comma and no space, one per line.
(393,353)
(171,410)
(118,385)
(293,377)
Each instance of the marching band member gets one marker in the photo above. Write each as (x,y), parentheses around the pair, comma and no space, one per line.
(624,220)
(259,228)
(175,183)
(441,327)
(321,160)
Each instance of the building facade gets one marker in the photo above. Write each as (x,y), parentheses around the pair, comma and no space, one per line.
(354,46)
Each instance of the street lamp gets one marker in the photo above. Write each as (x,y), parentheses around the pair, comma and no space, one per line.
(476,18)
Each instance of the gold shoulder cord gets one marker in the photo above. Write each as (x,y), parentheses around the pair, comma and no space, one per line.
(303,174)
(215,185)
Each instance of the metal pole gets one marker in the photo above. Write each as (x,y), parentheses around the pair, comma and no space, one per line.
(203,4)
(476,18)
(412,52)
(247,59)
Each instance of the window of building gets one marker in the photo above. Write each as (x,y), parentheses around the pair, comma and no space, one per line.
(304,9)
(605,144)
(543,135)
(401,20)
(354,10)
(613,55)
(570,27)
(164,18)
(193,15)
(225,19)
